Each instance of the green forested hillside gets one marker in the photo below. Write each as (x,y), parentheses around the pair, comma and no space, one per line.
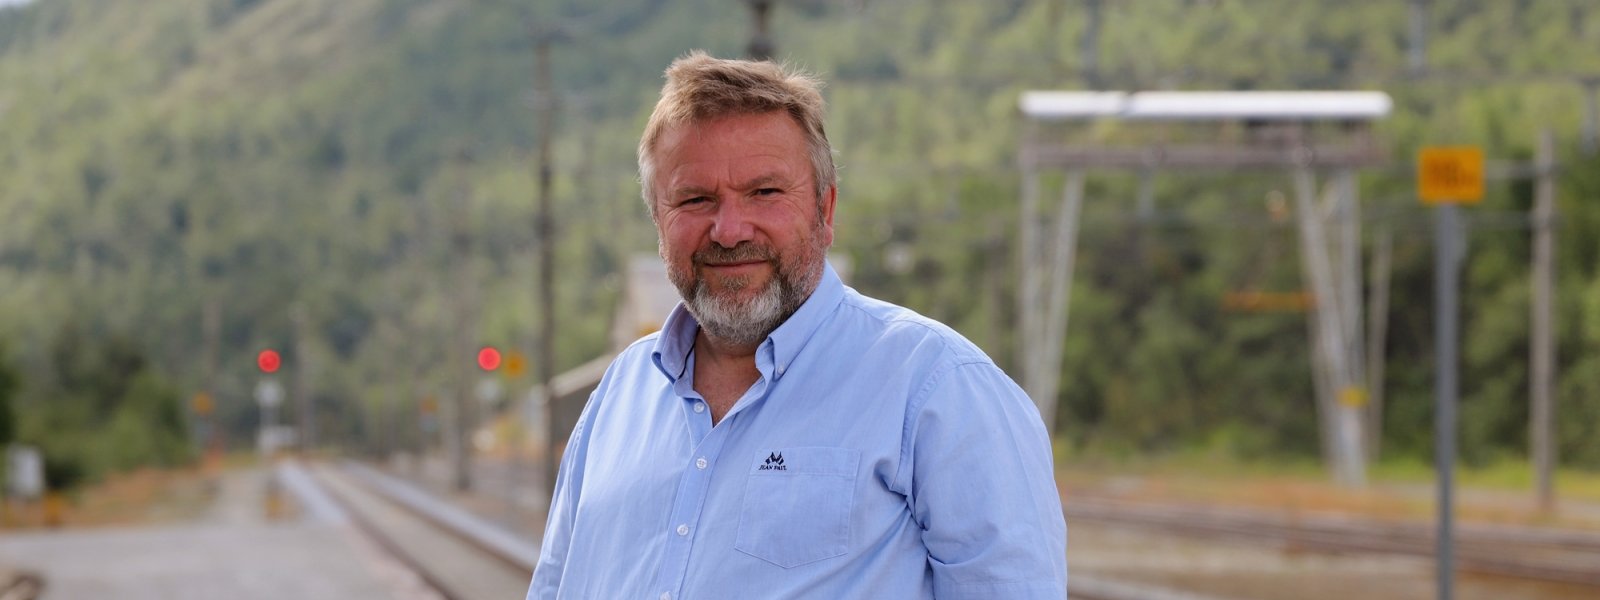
(193,176)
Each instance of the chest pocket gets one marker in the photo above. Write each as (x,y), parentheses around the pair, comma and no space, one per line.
(797,504)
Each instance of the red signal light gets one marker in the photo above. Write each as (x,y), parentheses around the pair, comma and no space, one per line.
(269,361)
(488,358)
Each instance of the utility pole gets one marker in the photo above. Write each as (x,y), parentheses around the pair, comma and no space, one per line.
(211,333)
(1056,305)
(1377,337)
(1042,299)
(302,376)
(459,404)
(1053,12)
(1353,398)
(761,44)
(1331,333)
(1417,55)
(1448,250)
(1029,259)
(462,403)
(544,227)
(1591,117)
(1542,376)
(1089,46)
(1447,177)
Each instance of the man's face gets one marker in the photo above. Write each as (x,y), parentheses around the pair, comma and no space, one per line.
(740,227)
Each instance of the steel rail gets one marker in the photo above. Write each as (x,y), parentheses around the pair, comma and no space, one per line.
(429,571)
(1541,554)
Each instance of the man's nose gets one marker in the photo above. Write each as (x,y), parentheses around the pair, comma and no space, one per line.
(731,225)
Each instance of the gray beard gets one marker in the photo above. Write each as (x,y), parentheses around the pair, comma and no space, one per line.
(741,323)
(748,323)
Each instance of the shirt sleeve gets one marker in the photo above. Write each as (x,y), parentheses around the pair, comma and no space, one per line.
(983,488)
(563,504)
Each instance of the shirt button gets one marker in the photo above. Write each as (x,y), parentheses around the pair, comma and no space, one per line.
(666,595)
(683,530)
(699,407)
(700,463)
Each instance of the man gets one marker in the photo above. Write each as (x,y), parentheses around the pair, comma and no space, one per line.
(784,436)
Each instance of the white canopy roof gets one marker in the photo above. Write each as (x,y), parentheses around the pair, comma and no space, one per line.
(1207,106)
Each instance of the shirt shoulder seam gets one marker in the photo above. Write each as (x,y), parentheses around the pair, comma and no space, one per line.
(950,344)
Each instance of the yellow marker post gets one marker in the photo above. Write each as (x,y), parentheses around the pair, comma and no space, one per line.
(1447,176)
(202,403)
(1353,397)
(1450,174)
(516,364)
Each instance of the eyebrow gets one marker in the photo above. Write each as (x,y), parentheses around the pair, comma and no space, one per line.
(681,192)
(754,183)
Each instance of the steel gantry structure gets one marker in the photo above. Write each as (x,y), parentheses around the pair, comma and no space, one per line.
(1305,134)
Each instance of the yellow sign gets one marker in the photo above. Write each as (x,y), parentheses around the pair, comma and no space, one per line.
(1258,301)
(1450,174)
(202,403)
(516,364)
(1353,397)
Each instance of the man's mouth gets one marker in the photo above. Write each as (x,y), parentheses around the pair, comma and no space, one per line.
(736,269)
(735,263)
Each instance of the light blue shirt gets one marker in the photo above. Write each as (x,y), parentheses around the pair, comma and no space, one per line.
(880,455)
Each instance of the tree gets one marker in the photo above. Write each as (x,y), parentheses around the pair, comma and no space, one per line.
(9,382)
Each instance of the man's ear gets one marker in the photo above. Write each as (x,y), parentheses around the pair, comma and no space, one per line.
(826,206)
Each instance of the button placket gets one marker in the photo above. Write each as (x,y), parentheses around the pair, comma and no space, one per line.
(694,484)
(693,491)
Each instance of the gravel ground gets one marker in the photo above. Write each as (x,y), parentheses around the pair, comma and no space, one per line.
(231,552)
(1227,569)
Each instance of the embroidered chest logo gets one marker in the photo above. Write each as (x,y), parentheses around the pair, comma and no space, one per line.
(774,462)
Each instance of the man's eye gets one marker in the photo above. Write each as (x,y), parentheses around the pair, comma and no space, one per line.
(767,191)
(695,200)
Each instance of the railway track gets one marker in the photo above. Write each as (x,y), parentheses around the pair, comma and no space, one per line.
(462,557)
(1530,553)
(457,554)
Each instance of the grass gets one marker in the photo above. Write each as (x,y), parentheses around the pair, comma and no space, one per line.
(141,497)
(1499,492)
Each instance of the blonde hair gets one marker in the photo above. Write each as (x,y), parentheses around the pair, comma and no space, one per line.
(700,88)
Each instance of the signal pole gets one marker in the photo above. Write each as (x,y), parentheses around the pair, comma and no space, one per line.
(462,405)
(1446,178)
(1447,269)
(1089,45)
(1591,117)
(269,395)
(761,45)
(1543,354)
(1417,53)
(544,225)
(304,405)
(211,334)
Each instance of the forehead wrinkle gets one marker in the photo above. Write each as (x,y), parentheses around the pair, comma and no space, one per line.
(759,181)
(750,155)
(767,174)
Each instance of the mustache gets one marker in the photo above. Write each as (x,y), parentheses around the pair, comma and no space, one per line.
(742,252)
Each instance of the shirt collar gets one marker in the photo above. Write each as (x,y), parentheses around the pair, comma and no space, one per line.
(671,354)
